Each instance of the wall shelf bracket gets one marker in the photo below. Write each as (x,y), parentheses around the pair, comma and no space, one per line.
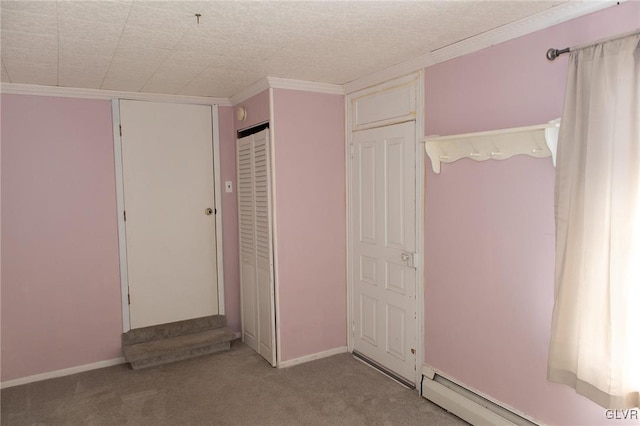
(538,141)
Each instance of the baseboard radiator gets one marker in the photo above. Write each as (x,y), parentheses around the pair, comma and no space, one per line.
(467,404)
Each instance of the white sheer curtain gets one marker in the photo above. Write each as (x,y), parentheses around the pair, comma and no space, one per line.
(595,340)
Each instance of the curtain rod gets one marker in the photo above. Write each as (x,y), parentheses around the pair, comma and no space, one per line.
(554,53)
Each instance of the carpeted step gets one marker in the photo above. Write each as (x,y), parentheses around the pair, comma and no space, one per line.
(177,348)
(172,329)
(164,343)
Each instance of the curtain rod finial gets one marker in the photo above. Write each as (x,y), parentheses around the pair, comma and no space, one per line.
(552,54)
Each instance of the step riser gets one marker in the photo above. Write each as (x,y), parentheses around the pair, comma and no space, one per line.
(176,344)
(180,355)
(165,343)
(165,331)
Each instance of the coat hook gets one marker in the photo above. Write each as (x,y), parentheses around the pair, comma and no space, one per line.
(198,15)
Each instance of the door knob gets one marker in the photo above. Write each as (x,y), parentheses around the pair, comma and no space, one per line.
(208,211)
(408,257)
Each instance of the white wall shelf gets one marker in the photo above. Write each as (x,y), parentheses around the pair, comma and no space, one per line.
(537,141)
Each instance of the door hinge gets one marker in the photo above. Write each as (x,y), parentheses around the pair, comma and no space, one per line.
(129,298)
(351,151)
(120,126)
(124,213)
(353,327)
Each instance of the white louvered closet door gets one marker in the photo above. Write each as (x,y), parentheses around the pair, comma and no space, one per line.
(256,251)
(246,222)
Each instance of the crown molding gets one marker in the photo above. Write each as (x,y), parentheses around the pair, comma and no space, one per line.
(74,92)
(250,91)
(403,68)
(305,86)
(552,16)
(539,21)
(285,83)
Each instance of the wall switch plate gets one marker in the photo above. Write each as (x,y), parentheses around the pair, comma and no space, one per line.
(228,186)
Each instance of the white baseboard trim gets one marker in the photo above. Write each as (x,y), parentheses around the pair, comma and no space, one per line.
(60,373)
(312,357)
(462,407)
(469,404)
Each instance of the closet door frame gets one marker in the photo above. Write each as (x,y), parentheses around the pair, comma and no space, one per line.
(353,123)
(274,228)
(119,181)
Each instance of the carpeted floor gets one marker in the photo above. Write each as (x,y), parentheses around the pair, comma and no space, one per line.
(236,387)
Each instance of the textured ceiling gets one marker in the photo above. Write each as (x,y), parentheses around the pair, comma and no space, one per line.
(158,46)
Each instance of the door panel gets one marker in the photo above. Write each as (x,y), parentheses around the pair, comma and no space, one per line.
(264,247)
(256,251)
(396,323)
(369,319)
(395,278)
(394,193)
(368,270)
(167,162)
(267,343)
(249,305)
(246,219)
(383,216)
(367,191)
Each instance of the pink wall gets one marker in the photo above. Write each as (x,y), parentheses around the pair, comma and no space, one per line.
(60,267)
(60,276)
(229,218)
(257,111)
(489,228)
(310,214)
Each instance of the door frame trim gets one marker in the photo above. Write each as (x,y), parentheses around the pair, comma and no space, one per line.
(275,267)
(420,208)
(119,184)
(217,193)
(122,235)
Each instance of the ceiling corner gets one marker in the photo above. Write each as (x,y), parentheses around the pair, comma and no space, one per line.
(249,91)
(539,21)
(305,86)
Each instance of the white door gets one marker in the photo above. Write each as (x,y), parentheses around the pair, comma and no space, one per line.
(384,243)
(167,163)
(256,251)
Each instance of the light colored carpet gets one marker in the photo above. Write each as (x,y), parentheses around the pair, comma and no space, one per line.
(230,388)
